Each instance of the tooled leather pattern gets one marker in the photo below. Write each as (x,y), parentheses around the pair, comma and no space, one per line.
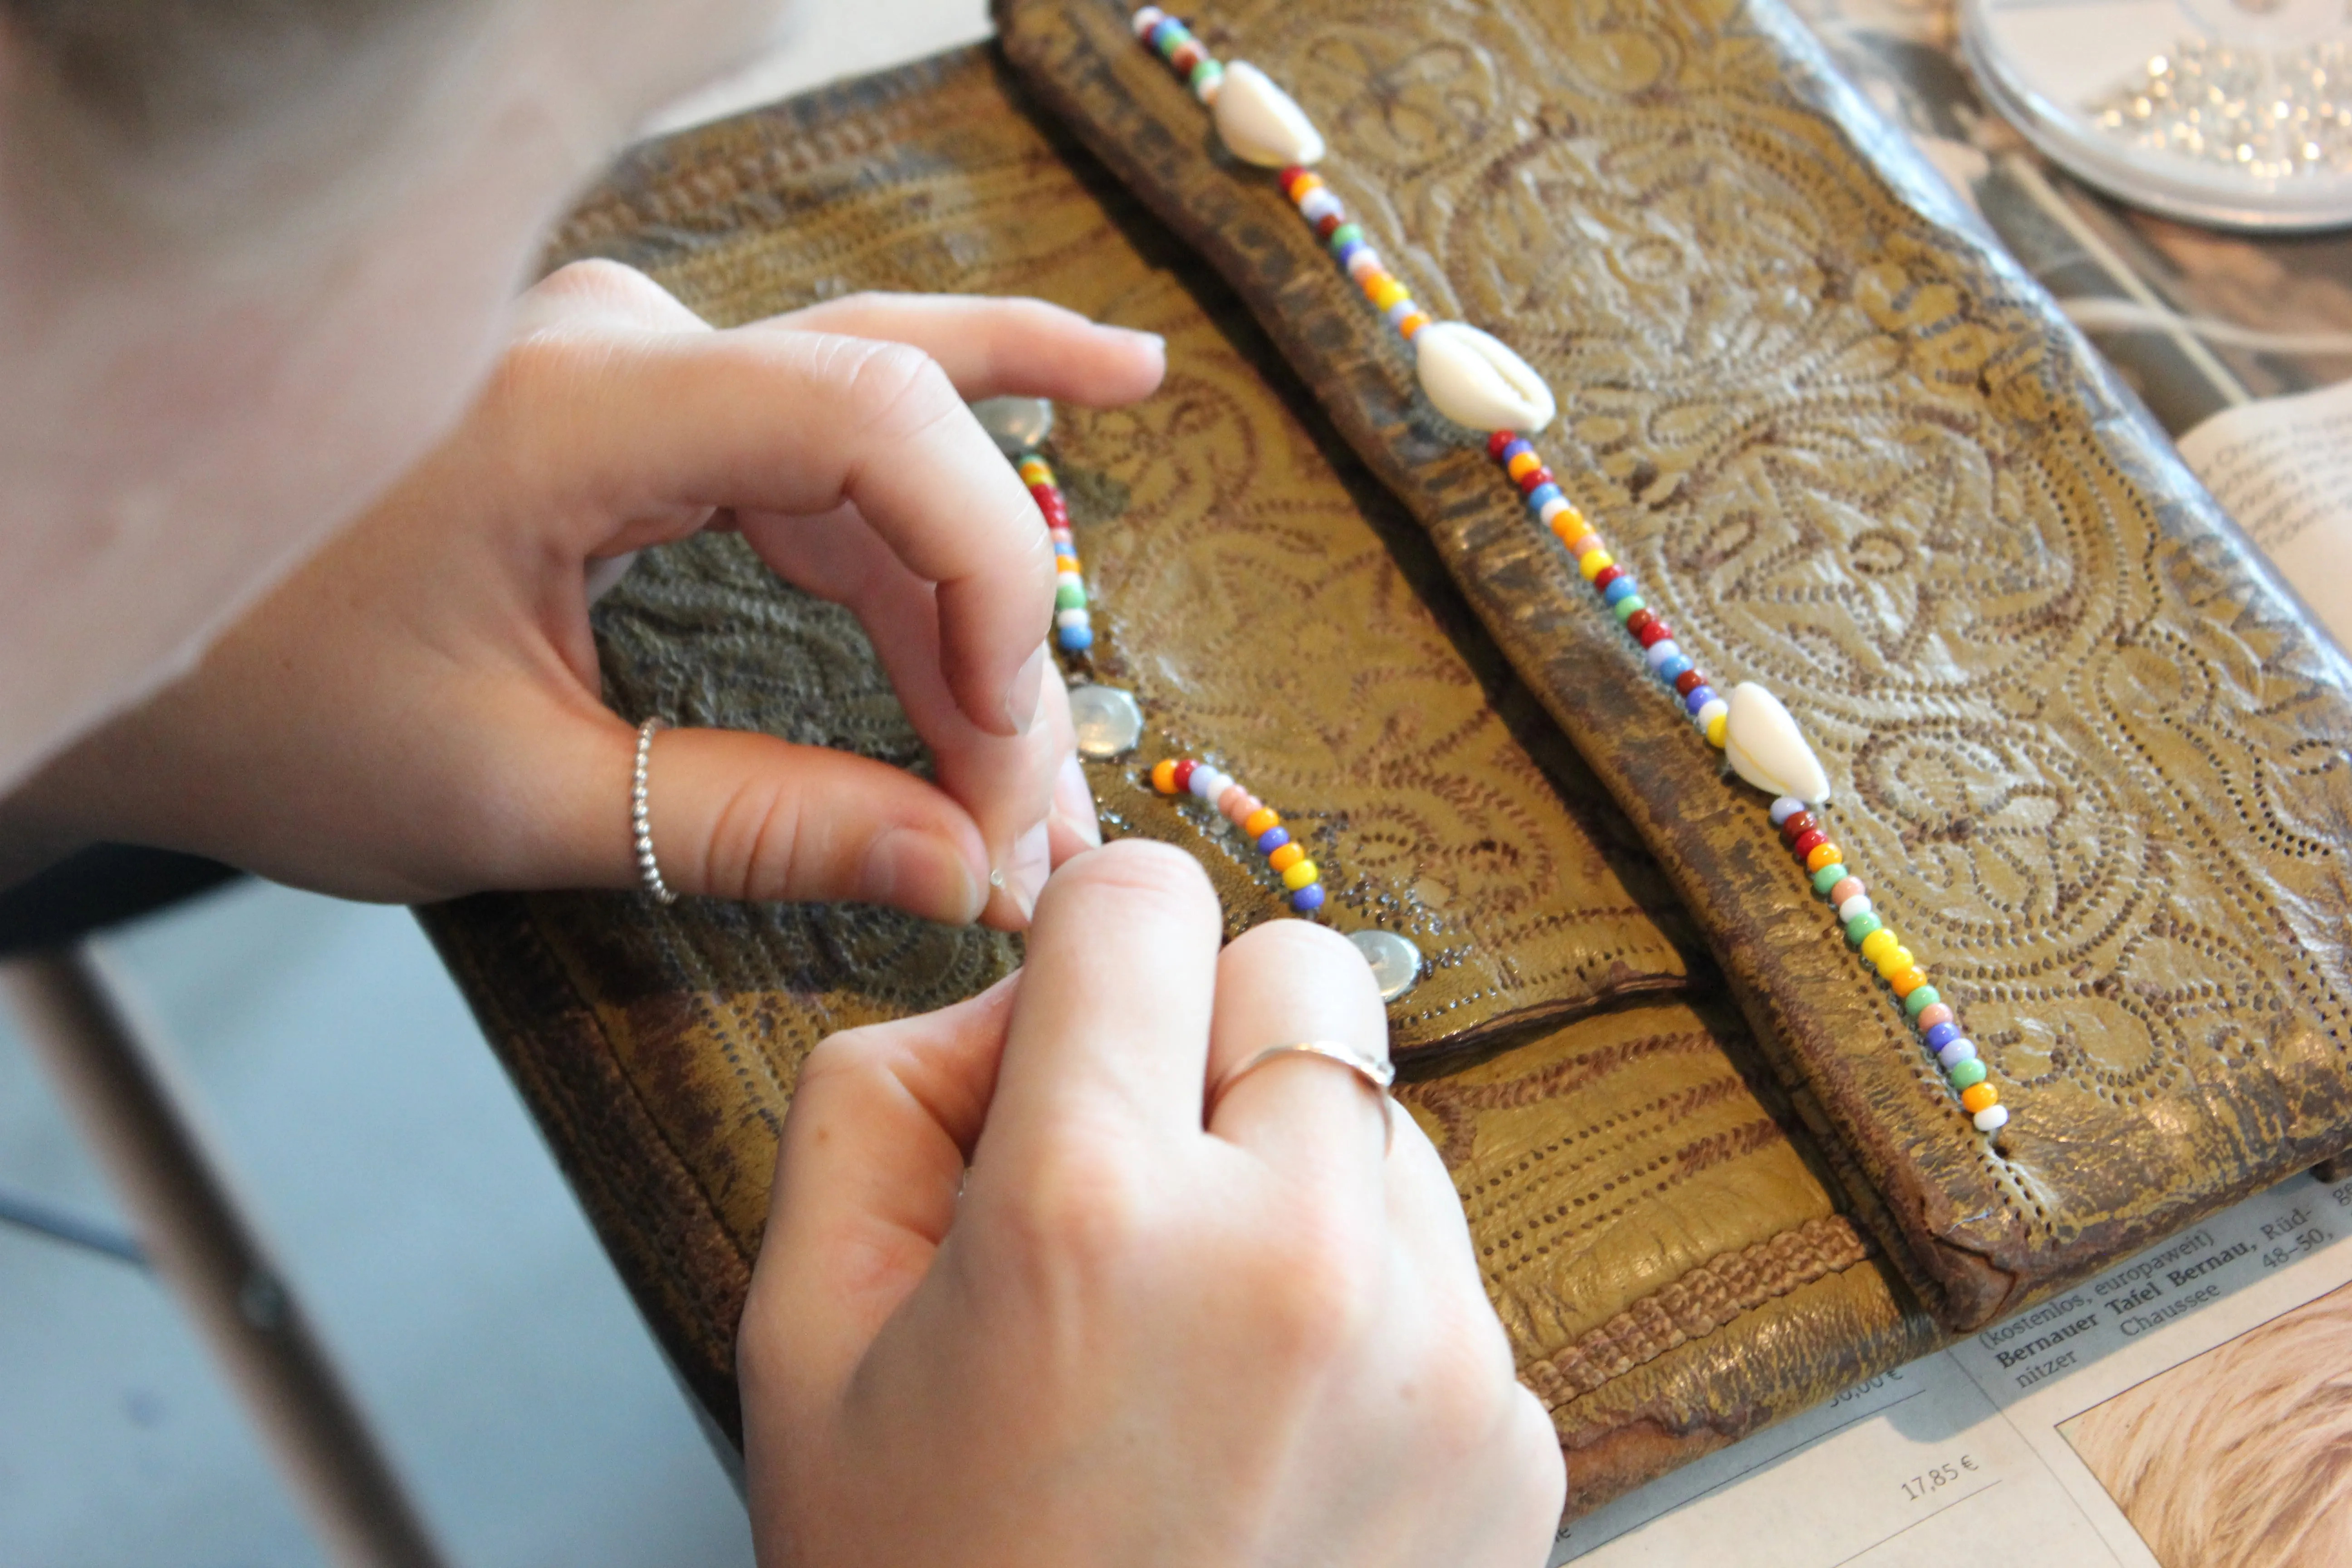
(2087,754)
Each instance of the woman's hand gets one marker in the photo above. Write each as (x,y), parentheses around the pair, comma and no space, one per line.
(416,713)
(1119,1338)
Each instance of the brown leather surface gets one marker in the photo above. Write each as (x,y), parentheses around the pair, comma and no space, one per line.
(1628,1169)
(2087,750)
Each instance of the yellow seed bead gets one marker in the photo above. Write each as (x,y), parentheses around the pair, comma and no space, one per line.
(1067,565)
(1979,1097)
(1592,562)
(1300,875)
(1878,942)
(1718,730)
(1284,859)
(1385,290)
(1523,465)
(1898,961)
(1261,822)
(1908,981)
(1163,775)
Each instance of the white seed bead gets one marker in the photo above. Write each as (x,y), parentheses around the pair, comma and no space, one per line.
(1992,1119)
(1209,783)
(1857,905)
(1320,204)
(1954,1052)
(1787,806)
(1661,651)
(1551,509)
(1400,309)
(1071,619)
(1709,712)
(1148,18)
(1363,261)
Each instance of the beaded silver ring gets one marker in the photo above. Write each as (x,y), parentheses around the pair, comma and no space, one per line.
(641,815)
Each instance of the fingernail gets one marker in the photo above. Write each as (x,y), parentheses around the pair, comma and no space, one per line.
(1020,702)
(1032,863)
(1074,802)
(918,871)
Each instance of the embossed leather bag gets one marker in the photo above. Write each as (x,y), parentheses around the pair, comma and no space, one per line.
(2089,749)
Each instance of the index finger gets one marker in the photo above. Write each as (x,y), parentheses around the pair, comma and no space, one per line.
(1111,1026)
(660,424)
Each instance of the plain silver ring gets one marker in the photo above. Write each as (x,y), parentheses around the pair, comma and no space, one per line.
(1376,1071)
(641,818)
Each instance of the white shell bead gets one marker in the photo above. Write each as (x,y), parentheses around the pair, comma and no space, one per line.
(1258,122)
(1474,379)
(1767,748)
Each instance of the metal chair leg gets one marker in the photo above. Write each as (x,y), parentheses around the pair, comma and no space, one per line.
(127,1100)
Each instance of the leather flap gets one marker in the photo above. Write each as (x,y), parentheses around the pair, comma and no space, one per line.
(2087,750)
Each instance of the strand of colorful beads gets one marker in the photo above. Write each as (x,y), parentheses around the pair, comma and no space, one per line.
(1472,378)
(1074,626)
(1939,1030)
(1256,821)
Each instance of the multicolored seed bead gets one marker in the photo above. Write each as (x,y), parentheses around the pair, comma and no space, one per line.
(1253,819)
(1074,628)
(1929,1013)
(1186,54)
(1324,214)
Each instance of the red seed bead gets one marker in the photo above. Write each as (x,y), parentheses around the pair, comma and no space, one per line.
(1801,823)
(1184,774)
(1688,681)
(1538,475)
(1497,441)
(1329,224)
(1049,501)
(1657,631)
(1291,176)
(1639,621)
(1807,841)
(1606,576)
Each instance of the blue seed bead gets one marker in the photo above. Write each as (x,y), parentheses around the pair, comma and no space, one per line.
(1920,1000)
(1271,839)
(1075,639)
(1627,605)
(1623,588)
(1942,1035)
(1516,446)
(1699,698)
(1967,1073)
(1169,34)
(1674,669)
(1542,495)
(1861,926)
(1346,250)
(1956,1053)
(1309,897)
(1829,876)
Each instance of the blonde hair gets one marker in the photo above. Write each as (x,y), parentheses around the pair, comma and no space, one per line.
(2242,1457)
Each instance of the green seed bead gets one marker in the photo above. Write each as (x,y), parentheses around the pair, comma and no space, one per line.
(1921,998)
(1861,926)
(1627,605)
(1829,876)
(1967,1074)
(1069,596)
(1345,232)
(1204,71)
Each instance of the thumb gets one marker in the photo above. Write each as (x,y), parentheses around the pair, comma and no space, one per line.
(737,815)
(882,1124)
(733,815)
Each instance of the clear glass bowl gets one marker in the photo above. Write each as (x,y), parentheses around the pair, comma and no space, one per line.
(2235,112)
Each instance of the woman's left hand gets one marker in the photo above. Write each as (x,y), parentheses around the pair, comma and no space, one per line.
(415,712)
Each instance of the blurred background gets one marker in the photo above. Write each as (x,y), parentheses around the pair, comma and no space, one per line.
(411,1200)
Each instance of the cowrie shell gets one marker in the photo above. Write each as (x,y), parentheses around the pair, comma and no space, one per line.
(1767,748)
(1474,379)
(1260,124)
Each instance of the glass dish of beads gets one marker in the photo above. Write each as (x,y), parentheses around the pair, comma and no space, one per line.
(2236,113)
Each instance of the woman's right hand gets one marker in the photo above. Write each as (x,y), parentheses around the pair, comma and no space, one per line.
(1122,1336)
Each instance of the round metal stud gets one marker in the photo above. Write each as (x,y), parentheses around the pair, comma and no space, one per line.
(1016,424)
(1109,722)
(1396,962)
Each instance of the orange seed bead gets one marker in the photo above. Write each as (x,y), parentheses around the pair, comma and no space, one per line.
(1823,855)
(1910,980)
(1259,822)
(1979,1097)
(1284,859)
(1163,775)
(1526,463)
(1411,324)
